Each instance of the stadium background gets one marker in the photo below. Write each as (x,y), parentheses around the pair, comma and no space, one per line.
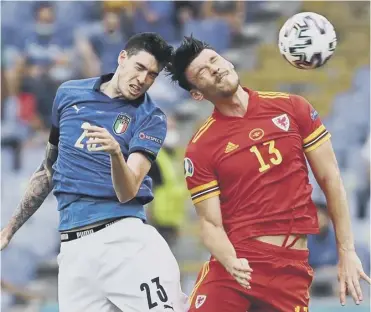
(44,44)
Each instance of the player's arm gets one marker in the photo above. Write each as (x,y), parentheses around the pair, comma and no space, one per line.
(39,187)
(213,234)
(217,242)
(127,176)
(204,189)
(326,171)
(41,183)
(321,157)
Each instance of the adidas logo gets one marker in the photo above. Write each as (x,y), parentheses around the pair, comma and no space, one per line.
(230,147)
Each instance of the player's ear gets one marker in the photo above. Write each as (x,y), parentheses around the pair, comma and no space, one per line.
(122,57)
(196,95)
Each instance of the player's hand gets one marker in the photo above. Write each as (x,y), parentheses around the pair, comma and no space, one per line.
(350,272)
(100,140)
(5,237)
(240,269)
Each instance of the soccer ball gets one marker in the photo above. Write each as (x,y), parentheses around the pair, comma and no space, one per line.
(307,40)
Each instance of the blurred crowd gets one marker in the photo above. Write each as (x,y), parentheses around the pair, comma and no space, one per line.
(46,43)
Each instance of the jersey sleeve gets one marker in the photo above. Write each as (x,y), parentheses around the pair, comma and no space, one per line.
(311,129)
(57,104)
(201,179)
(56,110)
(149,136)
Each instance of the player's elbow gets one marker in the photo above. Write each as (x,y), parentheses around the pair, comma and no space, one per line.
(126,195)
(207,228)
(329,178)
(125,198)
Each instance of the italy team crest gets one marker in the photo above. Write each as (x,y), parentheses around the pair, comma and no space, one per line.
(121,123)
(282,122)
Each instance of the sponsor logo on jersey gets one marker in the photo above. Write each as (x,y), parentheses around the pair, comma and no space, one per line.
(256,134)
(77,109)
(282,122)
(313,114)
(188,167)
(121,123)
(144,136)
(161,117)
(84,233)
(231,147)
(200,300)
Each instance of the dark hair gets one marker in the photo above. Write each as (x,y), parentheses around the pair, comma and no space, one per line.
(188,50)
(151,43)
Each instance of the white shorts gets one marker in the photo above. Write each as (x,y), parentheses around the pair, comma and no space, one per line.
(125,267)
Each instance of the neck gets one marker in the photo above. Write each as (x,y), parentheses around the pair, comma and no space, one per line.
(109,88)
(234,106)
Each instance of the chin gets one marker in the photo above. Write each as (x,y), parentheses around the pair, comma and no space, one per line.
(131,97)
(230,91)
(127,95)
(229,88)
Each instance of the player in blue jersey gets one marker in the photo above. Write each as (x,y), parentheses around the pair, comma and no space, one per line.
(106,133)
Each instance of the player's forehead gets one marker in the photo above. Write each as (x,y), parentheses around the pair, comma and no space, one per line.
(203,58)
(146,59)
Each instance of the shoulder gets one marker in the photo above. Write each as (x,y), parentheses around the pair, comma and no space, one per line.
(72,88)
(149,110)
(284,101)
(281,99)
(79,84)
(203,137)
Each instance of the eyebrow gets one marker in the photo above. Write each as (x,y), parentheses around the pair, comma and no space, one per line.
(144,67)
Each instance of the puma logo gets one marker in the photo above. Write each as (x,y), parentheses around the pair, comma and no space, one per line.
(78,109)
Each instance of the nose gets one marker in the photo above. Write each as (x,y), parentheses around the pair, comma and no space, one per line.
(142,78)
(214,69)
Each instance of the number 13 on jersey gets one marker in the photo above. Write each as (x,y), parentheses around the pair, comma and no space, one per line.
(276,158)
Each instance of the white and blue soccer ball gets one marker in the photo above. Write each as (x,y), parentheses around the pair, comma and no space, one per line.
(307,40)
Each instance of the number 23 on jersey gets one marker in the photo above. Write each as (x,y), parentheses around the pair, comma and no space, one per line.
(275,159)
(79,143)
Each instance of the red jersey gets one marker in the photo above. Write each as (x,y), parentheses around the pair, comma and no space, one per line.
(256,164)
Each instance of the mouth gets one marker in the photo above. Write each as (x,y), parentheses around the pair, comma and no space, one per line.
(220,78)
(134,89)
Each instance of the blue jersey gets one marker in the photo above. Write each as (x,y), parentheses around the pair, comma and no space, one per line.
(82,179)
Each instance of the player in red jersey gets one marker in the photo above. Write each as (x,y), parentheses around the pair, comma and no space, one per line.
(247,174)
